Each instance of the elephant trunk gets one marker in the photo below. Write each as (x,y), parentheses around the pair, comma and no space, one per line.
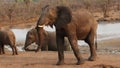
(25,46)
(40,32)
(27,43)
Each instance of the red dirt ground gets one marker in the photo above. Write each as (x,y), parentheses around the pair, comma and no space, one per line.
(48,59)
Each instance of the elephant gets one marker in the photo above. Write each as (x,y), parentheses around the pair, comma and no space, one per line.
(74,26)
(7,37)
(49,41)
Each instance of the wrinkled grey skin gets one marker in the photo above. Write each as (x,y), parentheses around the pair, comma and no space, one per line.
(49,44)
(7,37)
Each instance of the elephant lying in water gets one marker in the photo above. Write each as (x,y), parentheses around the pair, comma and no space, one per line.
(49,41)
(7,37)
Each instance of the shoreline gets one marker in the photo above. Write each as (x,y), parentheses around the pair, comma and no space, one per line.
(110,46)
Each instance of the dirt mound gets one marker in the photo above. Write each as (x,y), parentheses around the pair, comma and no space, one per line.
(104,66)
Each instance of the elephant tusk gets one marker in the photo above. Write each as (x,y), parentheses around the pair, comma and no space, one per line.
(41,26)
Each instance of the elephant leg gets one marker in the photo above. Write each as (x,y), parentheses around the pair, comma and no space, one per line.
(66,45)
(3,51)
(15,50)
(0,49)
(45,47)
(12,49)
(60,47)
(90,41)
(74,46)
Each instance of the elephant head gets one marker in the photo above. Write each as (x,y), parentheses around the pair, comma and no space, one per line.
(58,16)
(31,37)
(50,15)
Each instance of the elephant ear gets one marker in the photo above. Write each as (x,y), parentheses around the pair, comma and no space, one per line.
(64,16)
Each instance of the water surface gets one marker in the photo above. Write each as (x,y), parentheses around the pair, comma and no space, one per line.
(105,31)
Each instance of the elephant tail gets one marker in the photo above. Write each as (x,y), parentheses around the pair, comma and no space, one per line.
(96,42)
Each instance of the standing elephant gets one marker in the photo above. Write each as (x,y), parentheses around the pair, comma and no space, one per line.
(7,37)
(49,40)
(75,26)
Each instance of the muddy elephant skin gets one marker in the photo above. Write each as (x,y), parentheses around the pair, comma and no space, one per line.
(49,44)
(75,26)
(7,37)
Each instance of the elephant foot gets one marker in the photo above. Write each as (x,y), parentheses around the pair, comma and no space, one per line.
(0,53)
(16,53)
(3,52)
(92,58)
(60,63)
(80,62)
(36,51)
